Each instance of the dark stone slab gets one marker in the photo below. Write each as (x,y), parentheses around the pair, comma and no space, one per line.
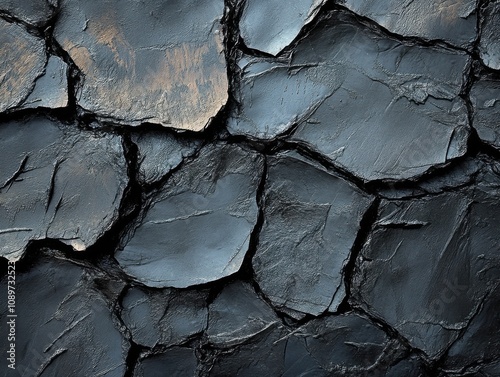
(311,221)
(238,315)
(51,89)
(163,317)
(348,93)
(485,97)
(270,26)
(451,21)
(489,46)
(345,345)
(175,362)
(57,182)
(198,228)
(429,262)
(161,152)
(23,60)
(154,61)
(64,327)
(480,342)
(34,12)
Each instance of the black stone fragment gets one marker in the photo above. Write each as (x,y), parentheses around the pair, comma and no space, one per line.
(429,262)
(64,325)
(198,228)
(34,12)
(489,46)
(159,153)
(311,219)
(175,362)
(485,97)
(57,182)
(163,317)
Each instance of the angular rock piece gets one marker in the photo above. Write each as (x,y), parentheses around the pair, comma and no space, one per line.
(481,340)
(159,153)
(352,93)
(237,315)
(270,26)
(166,317)
(428,262)
(311,219)
(157,62)
(35,12)
(198,228)
(51,89)
(175,362)
(57,182)
(389,94)
(64,326)
(263,356)
(22,62)
(453,21)
(485,97)
(273,98)
(489,46)
(340,345)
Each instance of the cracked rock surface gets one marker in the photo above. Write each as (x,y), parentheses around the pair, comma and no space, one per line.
(250,188)
(148,61)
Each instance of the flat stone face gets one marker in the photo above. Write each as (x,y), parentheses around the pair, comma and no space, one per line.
(480,341)
(157,62)
(311,219)
(273,98)
(453,21)
(485,97)
(338,345)
(489,46)
(51,89)
(159,153)
(270,26)
(58,183)
(167,317)
(23,60)
(424,267)
(198,228)
(175,362)
(351,93)
(35,12)
(237,315)
(64,327)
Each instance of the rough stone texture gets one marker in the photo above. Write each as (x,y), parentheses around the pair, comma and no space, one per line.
(428,263)
(175,362)
(489,46)
(353,92)
(51,89)
(64,325)
(270,26)
(300,217)
(23,60)
(485,97)
(453,21)
(57,183)
(157,62)
(339,217)
(166,317)
(198,228)
(160,153)
(35,12)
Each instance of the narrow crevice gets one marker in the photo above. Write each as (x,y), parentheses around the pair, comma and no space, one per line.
(365,229)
